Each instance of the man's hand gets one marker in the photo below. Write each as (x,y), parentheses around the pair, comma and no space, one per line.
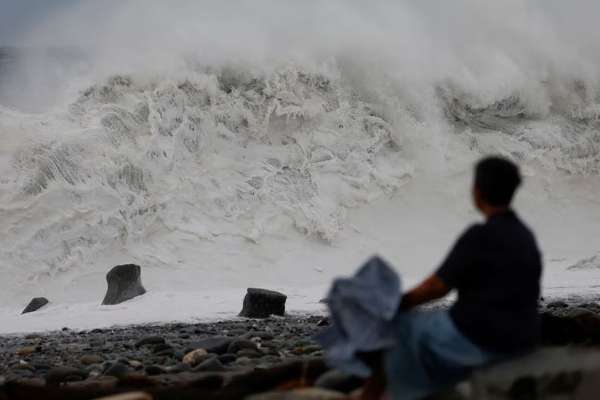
(430,289)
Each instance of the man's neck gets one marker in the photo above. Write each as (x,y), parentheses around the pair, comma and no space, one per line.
(491,211)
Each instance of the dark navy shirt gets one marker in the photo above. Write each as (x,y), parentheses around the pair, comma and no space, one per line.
(496,268)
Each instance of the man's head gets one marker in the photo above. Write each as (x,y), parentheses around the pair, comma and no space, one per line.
(496,181)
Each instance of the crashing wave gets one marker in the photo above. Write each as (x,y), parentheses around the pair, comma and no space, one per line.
(233,152)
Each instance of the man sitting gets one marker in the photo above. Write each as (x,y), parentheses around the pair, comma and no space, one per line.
(495,267)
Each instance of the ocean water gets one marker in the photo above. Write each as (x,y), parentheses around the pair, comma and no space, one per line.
(258,149)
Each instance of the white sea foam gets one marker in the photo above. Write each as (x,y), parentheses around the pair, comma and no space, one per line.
(279,144)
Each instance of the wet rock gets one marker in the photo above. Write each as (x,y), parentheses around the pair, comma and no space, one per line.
(124,283)
(176,369)
(65,374)
(195,357)
(150,341)
(338,381)
(213,365)
(118,370)
(155,370)
(238,345)
(91,359)
(227,358)
(216,345)
(249,353)
(262,303)
(35,304)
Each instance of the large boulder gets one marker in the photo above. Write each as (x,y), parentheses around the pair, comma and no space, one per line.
(35,304)
(124,283)
(262,303)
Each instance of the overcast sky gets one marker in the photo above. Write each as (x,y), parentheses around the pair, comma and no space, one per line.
(18,16)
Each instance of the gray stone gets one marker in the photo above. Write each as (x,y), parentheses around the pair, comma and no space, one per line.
(262,303)
(150,341)
(216,345)
(241,344)
(118,370)
(249,353)
(35,304)
(155,370)
(124,283)
(211,365)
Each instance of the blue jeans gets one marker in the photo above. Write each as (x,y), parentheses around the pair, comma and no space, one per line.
(431,355)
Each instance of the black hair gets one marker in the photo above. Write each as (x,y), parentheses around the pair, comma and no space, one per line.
(497,179)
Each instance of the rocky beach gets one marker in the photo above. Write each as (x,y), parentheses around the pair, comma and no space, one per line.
(268,358)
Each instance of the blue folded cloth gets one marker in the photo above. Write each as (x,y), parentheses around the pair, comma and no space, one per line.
(361,308)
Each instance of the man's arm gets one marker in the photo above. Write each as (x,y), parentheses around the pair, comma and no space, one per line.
(430,289)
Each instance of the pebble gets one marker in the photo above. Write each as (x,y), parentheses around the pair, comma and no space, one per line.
(227,358)
(195,357)
(28,350)
(118,370)
(212,364)
(238,345)
(155,370)
(90,359)
(150,340)
(216,345)
(249,353)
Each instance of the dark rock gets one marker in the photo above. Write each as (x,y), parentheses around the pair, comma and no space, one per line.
(65,374)
(118,370)
(238,345)
(338,381)
(161,347)
(35,304)
(227,358)
(176,369)
(150,341)
(155,370)
(216,345)
(249,353)
(124,283)
(261,303)
(212,364)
